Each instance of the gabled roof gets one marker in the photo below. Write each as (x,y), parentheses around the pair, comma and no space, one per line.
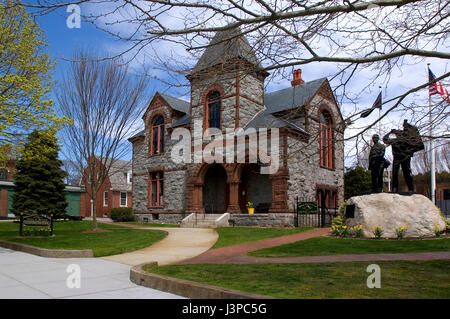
(292,97)
(226,45)
(139,134)
(175,103)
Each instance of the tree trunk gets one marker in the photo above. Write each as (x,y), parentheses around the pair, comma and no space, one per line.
(94,213)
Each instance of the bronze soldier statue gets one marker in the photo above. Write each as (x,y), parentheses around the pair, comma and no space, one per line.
(407,142)
(377,164)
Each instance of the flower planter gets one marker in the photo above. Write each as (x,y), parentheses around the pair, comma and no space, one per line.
(251,210)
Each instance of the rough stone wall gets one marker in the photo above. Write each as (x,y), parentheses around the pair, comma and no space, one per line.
(264,220)
(161,218)
(251,91)
(175,190)
(199,89)
(249,88)
(304,158)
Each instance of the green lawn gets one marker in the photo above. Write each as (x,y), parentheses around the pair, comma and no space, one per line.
(152,224)
(229,236)
(425,279)
(68,236)
(321,246)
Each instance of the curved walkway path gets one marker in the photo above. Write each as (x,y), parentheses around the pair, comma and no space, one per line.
(178,245)
(237,254)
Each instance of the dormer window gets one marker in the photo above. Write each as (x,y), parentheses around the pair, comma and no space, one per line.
(129,177)
(326,140)
(213,110)
(157,141)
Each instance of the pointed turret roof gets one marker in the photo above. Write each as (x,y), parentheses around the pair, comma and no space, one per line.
(226,45)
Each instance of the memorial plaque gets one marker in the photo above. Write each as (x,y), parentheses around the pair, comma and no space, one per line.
(307,208)
(350,211)
(36,220)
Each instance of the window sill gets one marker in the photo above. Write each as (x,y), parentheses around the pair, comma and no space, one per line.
(159,207)
(152,155)
(328,168)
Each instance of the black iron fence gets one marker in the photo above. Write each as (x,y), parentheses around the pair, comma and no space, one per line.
(444,205)
(443,202)
(311,212)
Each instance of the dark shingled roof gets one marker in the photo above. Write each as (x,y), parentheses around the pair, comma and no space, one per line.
(118,175)
(179,105)
(185,119)
(267,120)
(224,46)
(282,100)
(140,134)
(291,97)
(176,104)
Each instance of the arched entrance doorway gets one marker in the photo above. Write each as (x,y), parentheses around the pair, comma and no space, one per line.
(255,188)
(215,190)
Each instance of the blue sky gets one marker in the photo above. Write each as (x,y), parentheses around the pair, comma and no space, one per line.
(63,41)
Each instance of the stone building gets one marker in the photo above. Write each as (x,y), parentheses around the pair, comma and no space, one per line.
(227,92)
(113,193)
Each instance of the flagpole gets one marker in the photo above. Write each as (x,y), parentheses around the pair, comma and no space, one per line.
(432,154)
(379,116)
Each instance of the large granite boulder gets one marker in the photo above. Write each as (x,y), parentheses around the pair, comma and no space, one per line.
(416,212)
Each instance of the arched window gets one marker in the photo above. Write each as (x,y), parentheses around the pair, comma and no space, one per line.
(326,140)
(213,110)
(157,145)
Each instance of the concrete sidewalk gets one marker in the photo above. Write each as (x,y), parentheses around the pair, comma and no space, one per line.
(180,244)
(26,276)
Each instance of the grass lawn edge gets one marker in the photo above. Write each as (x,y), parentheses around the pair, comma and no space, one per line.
(119,240)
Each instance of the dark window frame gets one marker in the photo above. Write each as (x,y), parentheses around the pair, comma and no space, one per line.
(213,112)
(157,135)
(156,189)
(326,140)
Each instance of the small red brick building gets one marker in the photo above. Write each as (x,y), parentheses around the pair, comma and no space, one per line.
(6,174)
(116,190)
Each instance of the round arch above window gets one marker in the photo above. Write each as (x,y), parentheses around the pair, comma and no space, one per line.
(325,118)
(157,135)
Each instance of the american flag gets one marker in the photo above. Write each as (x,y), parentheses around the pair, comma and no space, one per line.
(436,87)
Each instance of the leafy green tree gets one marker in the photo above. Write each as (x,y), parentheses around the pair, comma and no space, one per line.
(25,79)
(357,182)
(39,178)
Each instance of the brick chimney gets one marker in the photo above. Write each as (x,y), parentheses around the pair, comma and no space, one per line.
(297,78)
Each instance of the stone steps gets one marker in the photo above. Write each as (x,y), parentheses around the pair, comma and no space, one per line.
(205,220)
